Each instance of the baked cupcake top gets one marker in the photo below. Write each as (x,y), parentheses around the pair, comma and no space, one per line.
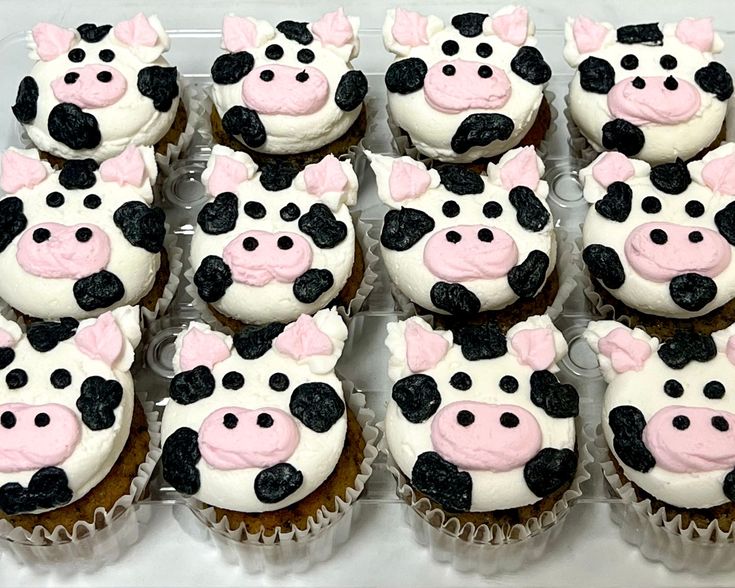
(467,90)
(669,411)
(646,90)
(272,243)
(289,88)
(459,242)
(478,421)
(66,403)
(81,240)
(661,239)
(95,90)
(255,422)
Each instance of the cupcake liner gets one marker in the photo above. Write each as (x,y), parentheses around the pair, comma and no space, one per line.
(369,247)
(579,147)
(485,549)
(294,549)
(659,536)
(91,544)
(175,265)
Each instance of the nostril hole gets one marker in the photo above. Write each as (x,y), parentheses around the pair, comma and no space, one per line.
(285,243)
(42,420)
(465,418)
(71,77)
(41,235)
(670,83)
(7,419)
(230,421)
(658,236)
(302,76)
(485,235)
(449,70)
(696,237)
(267,75)
(453,237)
(720,423)
(104,76)
(83,235)
(639,83)
(485,71)
(265,420)
(509,420)
(680,422)
(250,243)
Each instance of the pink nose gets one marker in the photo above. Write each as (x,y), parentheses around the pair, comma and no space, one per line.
(237,438)
(51,250)
(685,439)
(655,100)
(33,437)
(662,251)
(470,252)
(91,86)
(280,89)
(495,437)
(257,258)
(456,86)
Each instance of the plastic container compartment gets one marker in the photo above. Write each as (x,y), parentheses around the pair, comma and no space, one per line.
(173,547)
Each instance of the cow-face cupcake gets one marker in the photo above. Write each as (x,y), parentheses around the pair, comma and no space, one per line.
(95,90)
(272,244)
(289,90)
(82,240)
(649,91)
(470,90)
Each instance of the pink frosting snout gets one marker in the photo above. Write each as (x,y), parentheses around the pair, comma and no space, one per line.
(456,86)
(36,436)
(685,439)
(662,251)
(257,258)
(658,100)
(91,86)
(51,250)
(470,252)
(237,438)
(280,89)
(479,436)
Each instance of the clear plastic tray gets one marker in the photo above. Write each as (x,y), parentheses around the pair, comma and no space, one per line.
(173,547)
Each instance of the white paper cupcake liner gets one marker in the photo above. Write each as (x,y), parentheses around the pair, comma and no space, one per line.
(369,248)
(175,264)
(294,549)
(90,544)
(485,549)
(579,147)
(660,536)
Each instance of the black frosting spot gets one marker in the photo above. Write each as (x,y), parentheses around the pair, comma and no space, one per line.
(220,215)
(47,488)
(78,174)
(12,220)
(460,180)
(527,278)
(44,336)
(549,470)
(7,356)
(277,175)
(692,291)
(714,79)
(627,424)
(26,100)
(290,212)
(92,33)
(508,384)
(461,381)
(279,382)
(724,220)
(686,346)
(142,225)
(481,129)
(98,290)
(212,278)
(179,459)
(295,31)
(254,209)
(60,379)
(310,285)
(469,24)
(648,34)
(233,381)
(160,84)
(671,178)
(70,125)
(714,390)
(454,298)
(230,68)
(442,481)
(596,75)
(351,90)
(620,135)
(324,229)
(604,264)
(406,76)
(245,123)
(529,64)
(673,389)
(254,342)
(277,483)
(481,342)
(530,211)
(728,486)
(617,203)
(192,385)
(403,228)
(417,396)
(97,402)
(557,400)
(316,405)
(16,378)
(649,205)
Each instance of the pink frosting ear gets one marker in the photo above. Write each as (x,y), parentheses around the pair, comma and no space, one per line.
(201,348)
(696,32)
(424,349)
(19,171)
(102,340)
(588,34)
(410,28)
(51,41)
(136,32)
(512,27)
(303,339)
(333,28)
(719,174)
(522,170)
(239,34)
(325,176)
(535,348)
(613,167)
(6,339)
(407,180)
(227,175)
(126,168)
(626,353)
(730,350)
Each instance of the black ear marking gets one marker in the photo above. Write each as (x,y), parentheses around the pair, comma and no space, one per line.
(648,34)
(160,84)
(460,180)
(604,264)
(417,396)
(92,33)
(557,400)
(617,203)
(442,481)
(686,346)
(481,129)
(179,459)
(12,220)
(529,65)
(714,79)
(622,136)
(44,336)
(212,278)
(26,101)
(351,90)
(406,76)
(403,228)
(454,298)
(47,488)
(596,75)
(276,175)
(277,483)
(469,24)
(97,402)
(316,405)
(321,225)
(244,122)
(98,290)
(254,342)
(527,278)
(295,31)
(724,220)
(142,225)
(78,174)
(230,68)
(481,342)
(70,125)
(549,470)
(310,285)
(530,211)
(692,291)
(220,215)
(192,385)
(627,424)
(671,178)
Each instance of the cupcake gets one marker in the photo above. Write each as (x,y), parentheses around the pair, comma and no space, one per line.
(72,434)
(468,91)
(257,427)
(83,240)
(95,90)
(648,91)
(289,91)
(659,240)
(273,243)
(467,245)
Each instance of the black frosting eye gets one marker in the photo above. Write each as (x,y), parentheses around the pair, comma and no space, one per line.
(254,209)
(16,378)
(492,209)
(278,382)
(290,212)
(461,381)
(450,209)
(92,201)
(233,381)
(77,55)
(651,205)
(107,55)
(508,384)
(484,50)
(274,52)
(714,390)
(450,47)
(55,199)
(60,379)
(673,388)
(668,61)
(305,56)
(629,61)
(694,208)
